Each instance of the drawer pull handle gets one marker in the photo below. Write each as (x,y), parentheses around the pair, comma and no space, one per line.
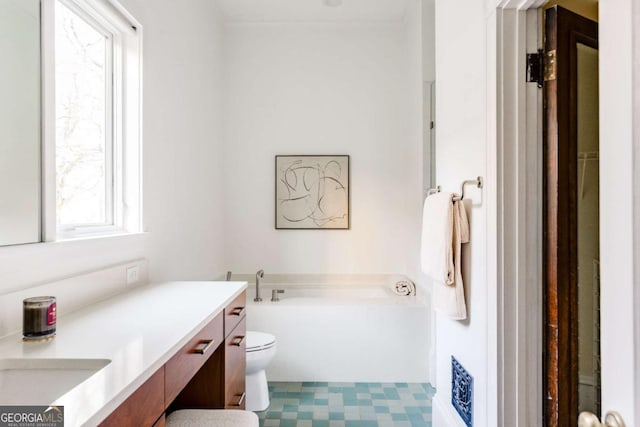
(237,341)
(238,311)
(240,400)
(203,346)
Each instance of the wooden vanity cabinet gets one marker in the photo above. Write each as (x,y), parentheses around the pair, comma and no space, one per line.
(235,361)
(182,367)
(234,313)
(161,422)
(143,407)
(206,373)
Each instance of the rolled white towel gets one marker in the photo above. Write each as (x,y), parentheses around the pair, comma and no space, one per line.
(405,288)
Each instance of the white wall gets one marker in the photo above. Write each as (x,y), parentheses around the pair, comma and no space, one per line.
(428,55)
(182,177)
(183,139)
(461,84)
(322,89)
(617,218)
(428,40)
(415,129)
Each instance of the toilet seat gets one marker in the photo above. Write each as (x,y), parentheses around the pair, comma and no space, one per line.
(257,341)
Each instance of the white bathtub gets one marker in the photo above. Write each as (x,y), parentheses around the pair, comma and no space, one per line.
(345,333)
(324,294)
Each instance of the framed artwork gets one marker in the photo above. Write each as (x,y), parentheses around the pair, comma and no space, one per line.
(312,192)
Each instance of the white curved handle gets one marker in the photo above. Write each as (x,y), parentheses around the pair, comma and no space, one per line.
(587,419)
(613,419)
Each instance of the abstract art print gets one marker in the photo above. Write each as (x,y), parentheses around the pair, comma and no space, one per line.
(312,192)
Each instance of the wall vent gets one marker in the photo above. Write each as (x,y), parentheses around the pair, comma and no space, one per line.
(462,391)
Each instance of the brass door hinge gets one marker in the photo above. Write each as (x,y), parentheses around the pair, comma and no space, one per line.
(541,67)
(550,66)
(535,68)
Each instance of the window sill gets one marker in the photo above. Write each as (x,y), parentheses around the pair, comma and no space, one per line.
(103,242)
(93,237)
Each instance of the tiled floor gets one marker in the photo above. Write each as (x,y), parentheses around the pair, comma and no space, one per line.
(319,404)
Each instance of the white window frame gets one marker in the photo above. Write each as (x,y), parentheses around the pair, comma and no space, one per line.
(124,121)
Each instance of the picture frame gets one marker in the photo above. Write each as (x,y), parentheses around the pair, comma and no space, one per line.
(312,192)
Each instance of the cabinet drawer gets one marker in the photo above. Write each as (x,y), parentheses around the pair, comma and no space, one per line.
(143,407)
(235,366)
(234,312)
(190,358)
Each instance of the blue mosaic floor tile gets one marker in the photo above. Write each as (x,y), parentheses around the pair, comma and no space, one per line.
(336,415)
(399,417)
(321,404)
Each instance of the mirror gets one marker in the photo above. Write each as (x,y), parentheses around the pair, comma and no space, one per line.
(588,230)
(20,176)
(429,137)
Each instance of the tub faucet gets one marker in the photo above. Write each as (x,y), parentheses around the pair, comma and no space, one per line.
(274,294)
(259,275)
(228,276)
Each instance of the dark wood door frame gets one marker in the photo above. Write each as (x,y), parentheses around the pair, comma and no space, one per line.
(563,30)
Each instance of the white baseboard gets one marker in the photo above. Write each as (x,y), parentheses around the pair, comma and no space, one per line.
(443,414)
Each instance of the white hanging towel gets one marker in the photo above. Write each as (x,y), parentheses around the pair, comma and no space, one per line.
(444,228)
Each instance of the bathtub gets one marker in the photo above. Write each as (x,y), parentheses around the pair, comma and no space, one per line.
(315,294)
(343,332)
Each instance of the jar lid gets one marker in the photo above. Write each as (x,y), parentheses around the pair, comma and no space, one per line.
(38,300)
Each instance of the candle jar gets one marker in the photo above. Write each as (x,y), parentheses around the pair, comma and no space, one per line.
(39,318)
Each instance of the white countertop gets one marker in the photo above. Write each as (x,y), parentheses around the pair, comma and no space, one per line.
(139,331)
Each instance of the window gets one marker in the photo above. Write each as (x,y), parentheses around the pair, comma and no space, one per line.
(95,68)
(84,141)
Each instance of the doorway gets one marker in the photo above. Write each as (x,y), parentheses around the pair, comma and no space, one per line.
(571,218)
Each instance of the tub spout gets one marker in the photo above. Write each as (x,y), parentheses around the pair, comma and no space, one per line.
(259,275)
(228,276)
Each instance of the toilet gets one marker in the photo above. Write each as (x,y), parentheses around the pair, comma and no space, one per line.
(261,348)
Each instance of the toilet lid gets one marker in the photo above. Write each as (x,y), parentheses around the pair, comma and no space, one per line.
(259,340)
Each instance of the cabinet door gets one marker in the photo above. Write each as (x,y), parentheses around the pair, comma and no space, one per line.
(235,367)
(161,422)
(143,407)
(190,359)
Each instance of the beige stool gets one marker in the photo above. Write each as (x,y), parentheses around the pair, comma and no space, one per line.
(212,418)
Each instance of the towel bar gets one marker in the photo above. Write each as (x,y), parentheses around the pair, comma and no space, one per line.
(478,182)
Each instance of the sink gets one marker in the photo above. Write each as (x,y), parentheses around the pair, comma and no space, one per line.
(42,381)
